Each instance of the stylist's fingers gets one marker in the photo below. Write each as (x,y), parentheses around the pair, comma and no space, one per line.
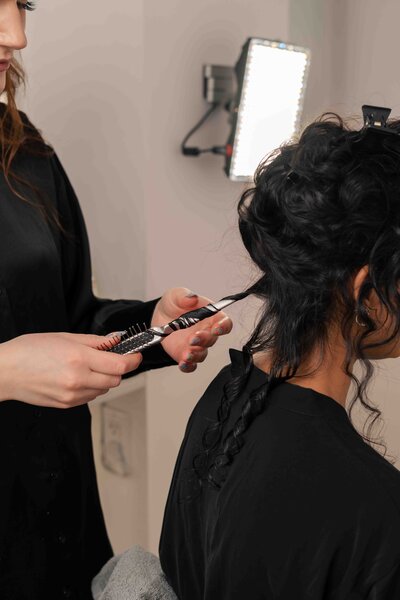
(191,358)
(221,325)
(100,381)
(86,395)
(186,367)
(87,339)
(218,324)
(205,338)
(112,363)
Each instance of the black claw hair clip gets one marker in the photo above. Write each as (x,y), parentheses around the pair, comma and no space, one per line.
(375,118)
(375,126)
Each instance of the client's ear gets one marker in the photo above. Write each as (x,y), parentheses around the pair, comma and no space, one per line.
(359,280)
(373,301)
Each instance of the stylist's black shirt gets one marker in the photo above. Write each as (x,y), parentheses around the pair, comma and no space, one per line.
(308,510)
(52,534)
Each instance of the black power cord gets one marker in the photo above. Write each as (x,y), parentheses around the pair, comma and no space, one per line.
(195,151)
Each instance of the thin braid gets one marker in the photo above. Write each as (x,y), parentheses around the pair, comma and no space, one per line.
(211,438)
(253,406)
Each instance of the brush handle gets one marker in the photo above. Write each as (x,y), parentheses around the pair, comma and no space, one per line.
(194,316)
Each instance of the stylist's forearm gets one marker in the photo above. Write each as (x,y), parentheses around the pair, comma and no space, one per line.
(4,374)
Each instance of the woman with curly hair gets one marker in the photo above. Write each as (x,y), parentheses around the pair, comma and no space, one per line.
(275,495)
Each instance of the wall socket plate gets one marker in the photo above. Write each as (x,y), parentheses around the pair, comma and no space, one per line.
(116,434)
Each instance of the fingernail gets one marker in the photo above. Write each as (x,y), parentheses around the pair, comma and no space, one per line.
(189,357)
(218,331)
(184,366)
(195,341)
(119,333)
(191,295)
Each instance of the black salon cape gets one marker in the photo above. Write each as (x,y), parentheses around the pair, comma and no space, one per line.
(308,510)
(52,534)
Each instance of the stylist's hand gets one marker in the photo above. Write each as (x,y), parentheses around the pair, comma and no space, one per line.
(60,370)
(188,346)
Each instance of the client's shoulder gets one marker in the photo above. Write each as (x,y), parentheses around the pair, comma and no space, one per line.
(211,396)
(226,383)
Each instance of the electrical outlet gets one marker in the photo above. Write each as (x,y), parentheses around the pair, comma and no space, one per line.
(116,430)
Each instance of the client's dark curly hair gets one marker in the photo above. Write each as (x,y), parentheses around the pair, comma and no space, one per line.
(322,207)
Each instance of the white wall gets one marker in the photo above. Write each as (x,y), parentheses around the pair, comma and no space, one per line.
(312,24)
(367,55)
(85,75)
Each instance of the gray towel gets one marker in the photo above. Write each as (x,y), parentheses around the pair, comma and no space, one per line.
(133,575)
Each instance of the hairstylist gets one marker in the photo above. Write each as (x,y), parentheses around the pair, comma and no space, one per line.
(53,538)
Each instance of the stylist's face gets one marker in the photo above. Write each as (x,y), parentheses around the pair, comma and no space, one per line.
(12,33)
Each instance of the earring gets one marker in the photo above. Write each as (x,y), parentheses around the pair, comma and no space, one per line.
(358,322)
(368,309)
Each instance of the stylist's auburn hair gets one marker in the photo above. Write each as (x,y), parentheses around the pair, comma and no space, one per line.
(322,206)
(18,135)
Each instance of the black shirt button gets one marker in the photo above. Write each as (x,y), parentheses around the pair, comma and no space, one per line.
(48,513)
(61,538)
(54,475)
(66,592)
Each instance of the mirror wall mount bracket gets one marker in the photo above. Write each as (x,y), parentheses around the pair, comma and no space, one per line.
(218,84)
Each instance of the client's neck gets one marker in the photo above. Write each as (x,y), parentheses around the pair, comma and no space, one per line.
(329,378)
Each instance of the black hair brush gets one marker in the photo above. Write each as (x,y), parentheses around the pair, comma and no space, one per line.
(133,341)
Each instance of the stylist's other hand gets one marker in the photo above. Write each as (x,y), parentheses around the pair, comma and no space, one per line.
(188,346)
(60,369)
